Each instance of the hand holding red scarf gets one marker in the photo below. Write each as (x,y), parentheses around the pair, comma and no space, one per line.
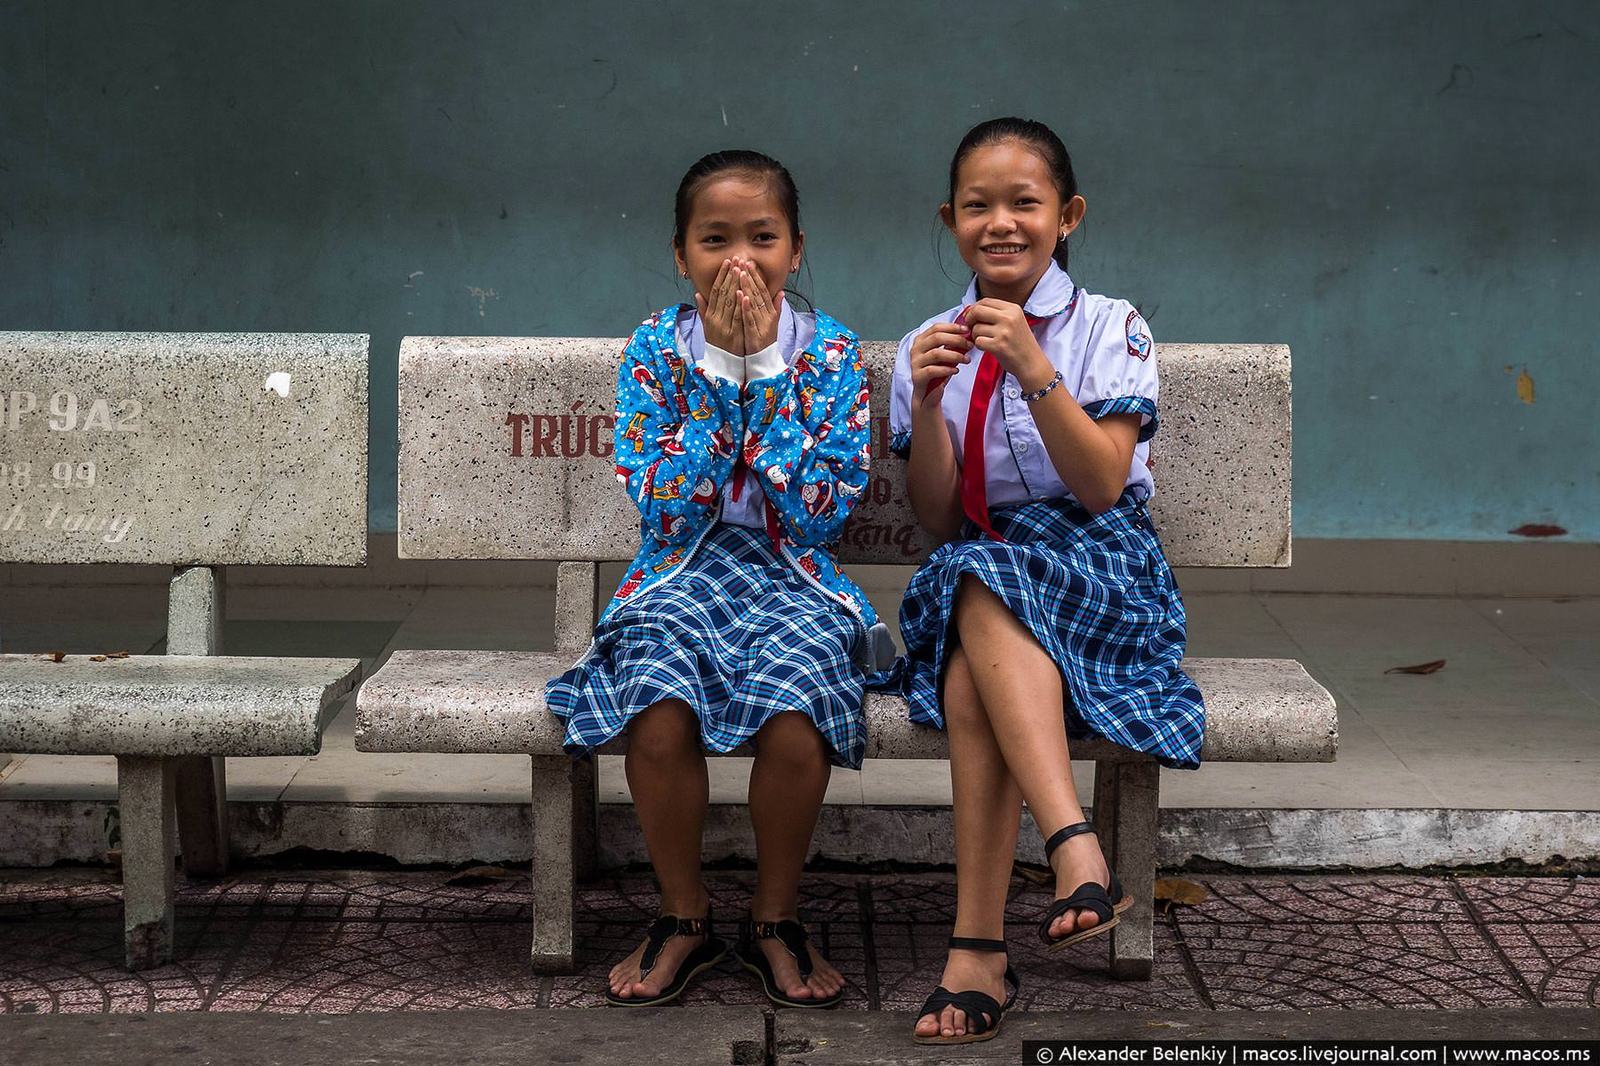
(1003,333)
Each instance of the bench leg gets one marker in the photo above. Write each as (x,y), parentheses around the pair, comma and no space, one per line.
(144,800)
(585,819)
(202,788)
(577,609)
(1126,809)
(553,868)
(196,599)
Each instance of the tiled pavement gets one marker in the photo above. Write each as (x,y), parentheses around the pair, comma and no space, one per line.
(341,942)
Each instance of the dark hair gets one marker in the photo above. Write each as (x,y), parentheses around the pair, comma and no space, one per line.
(739,161)
(1037,137)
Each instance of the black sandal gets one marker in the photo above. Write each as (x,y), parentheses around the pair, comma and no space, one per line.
(697,961)
(793,936)
(983,1013)
(1105,902)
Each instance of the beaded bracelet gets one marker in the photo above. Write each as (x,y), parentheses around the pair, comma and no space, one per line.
(1042,393)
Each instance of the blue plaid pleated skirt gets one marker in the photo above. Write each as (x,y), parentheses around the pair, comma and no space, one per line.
(1097,594)
(739,636)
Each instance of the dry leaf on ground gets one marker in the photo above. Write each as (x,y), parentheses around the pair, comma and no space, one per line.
(478,876)
(1418,668)
(1176,892)
(1033,874)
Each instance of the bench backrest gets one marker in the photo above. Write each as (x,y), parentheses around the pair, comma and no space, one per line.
(505,453)
(203,449)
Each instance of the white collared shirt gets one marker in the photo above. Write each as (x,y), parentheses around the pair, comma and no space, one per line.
(795,332)
(1107,361)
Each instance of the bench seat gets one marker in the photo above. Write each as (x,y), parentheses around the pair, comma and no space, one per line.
(169,705)
(492,702)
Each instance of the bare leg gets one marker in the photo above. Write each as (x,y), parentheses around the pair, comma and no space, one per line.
(1021,690)
(667,776)
(987,815)
(787,784)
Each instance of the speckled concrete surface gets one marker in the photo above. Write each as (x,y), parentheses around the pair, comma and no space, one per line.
(1257,710)
(493,430)
(184,448)
(168,704)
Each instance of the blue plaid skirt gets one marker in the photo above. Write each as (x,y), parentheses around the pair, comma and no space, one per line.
(739,636)
(1097,594)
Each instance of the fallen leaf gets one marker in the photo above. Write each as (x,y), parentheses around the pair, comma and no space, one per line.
(1174,891)
(1525,386)
(55,656)
(97,658)
(1034,874)
(1418,668)
(1539,529)
(478,876)
(117,655)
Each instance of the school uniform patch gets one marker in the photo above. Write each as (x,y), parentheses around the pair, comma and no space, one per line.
(1139,343)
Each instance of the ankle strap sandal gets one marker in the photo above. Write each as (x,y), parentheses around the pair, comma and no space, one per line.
(982,1011)
(1105,902)
(793,936)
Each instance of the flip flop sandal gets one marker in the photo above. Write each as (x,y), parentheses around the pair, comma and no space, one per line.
(697,961)
(793,936)
(983,1013)
(1105,902)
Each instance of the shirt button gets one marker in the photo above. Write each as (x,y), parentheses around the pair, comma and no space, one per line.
(1022,447)
(1012,392)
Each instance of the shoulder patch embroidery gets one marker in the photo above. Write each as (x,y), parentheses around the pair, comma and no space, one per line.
(1138,336)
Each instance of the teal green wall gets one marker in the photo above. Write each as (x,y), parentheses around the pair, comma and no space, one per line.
(1406,193)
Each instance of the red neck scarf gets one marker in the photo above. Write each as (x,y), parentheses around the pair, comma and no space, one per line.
(974,491)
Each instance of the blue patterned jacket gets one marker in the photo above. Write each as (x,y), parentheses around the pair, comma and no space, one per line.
(804,432)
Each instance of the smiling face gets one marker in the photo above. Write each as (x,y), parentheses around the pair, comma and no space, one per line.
(1006,216)
(738,215)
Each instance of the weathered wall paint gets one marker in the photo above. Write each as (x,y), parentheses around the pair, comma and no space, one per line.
(1404,192)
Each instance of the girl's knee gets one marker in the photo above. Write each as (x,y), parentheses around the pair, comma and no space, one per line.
(792,739)
(664,729)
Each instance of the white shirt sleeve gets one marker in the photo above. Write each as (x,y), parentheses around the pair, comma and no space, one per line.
(1119,373)
(722,364)
(765,363)
(900,399)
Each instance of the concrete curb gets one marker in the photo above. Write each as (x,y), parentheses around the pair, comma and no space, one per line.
(46,832)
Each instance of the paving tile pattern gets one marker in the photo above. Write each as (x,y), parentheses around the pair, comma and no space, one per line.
(340,942)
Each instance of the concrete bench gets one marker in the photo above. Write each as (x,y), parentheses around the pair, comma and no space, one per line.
(196,451)
(505,449)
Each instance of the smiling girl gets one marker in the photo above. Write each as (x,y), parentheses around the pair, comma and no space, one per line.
(1026,413)
(742,437)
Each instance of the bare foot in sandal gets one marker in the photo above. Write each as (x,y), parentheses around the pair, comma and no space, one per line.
(1075,862)
(661,967)
(792,971)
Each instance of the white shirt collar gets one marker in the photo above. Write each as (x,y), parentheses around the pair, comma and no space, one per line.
(1049,297)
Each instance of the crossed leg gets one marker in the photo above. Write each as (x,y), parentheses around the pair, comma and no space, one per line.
(1003,704)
